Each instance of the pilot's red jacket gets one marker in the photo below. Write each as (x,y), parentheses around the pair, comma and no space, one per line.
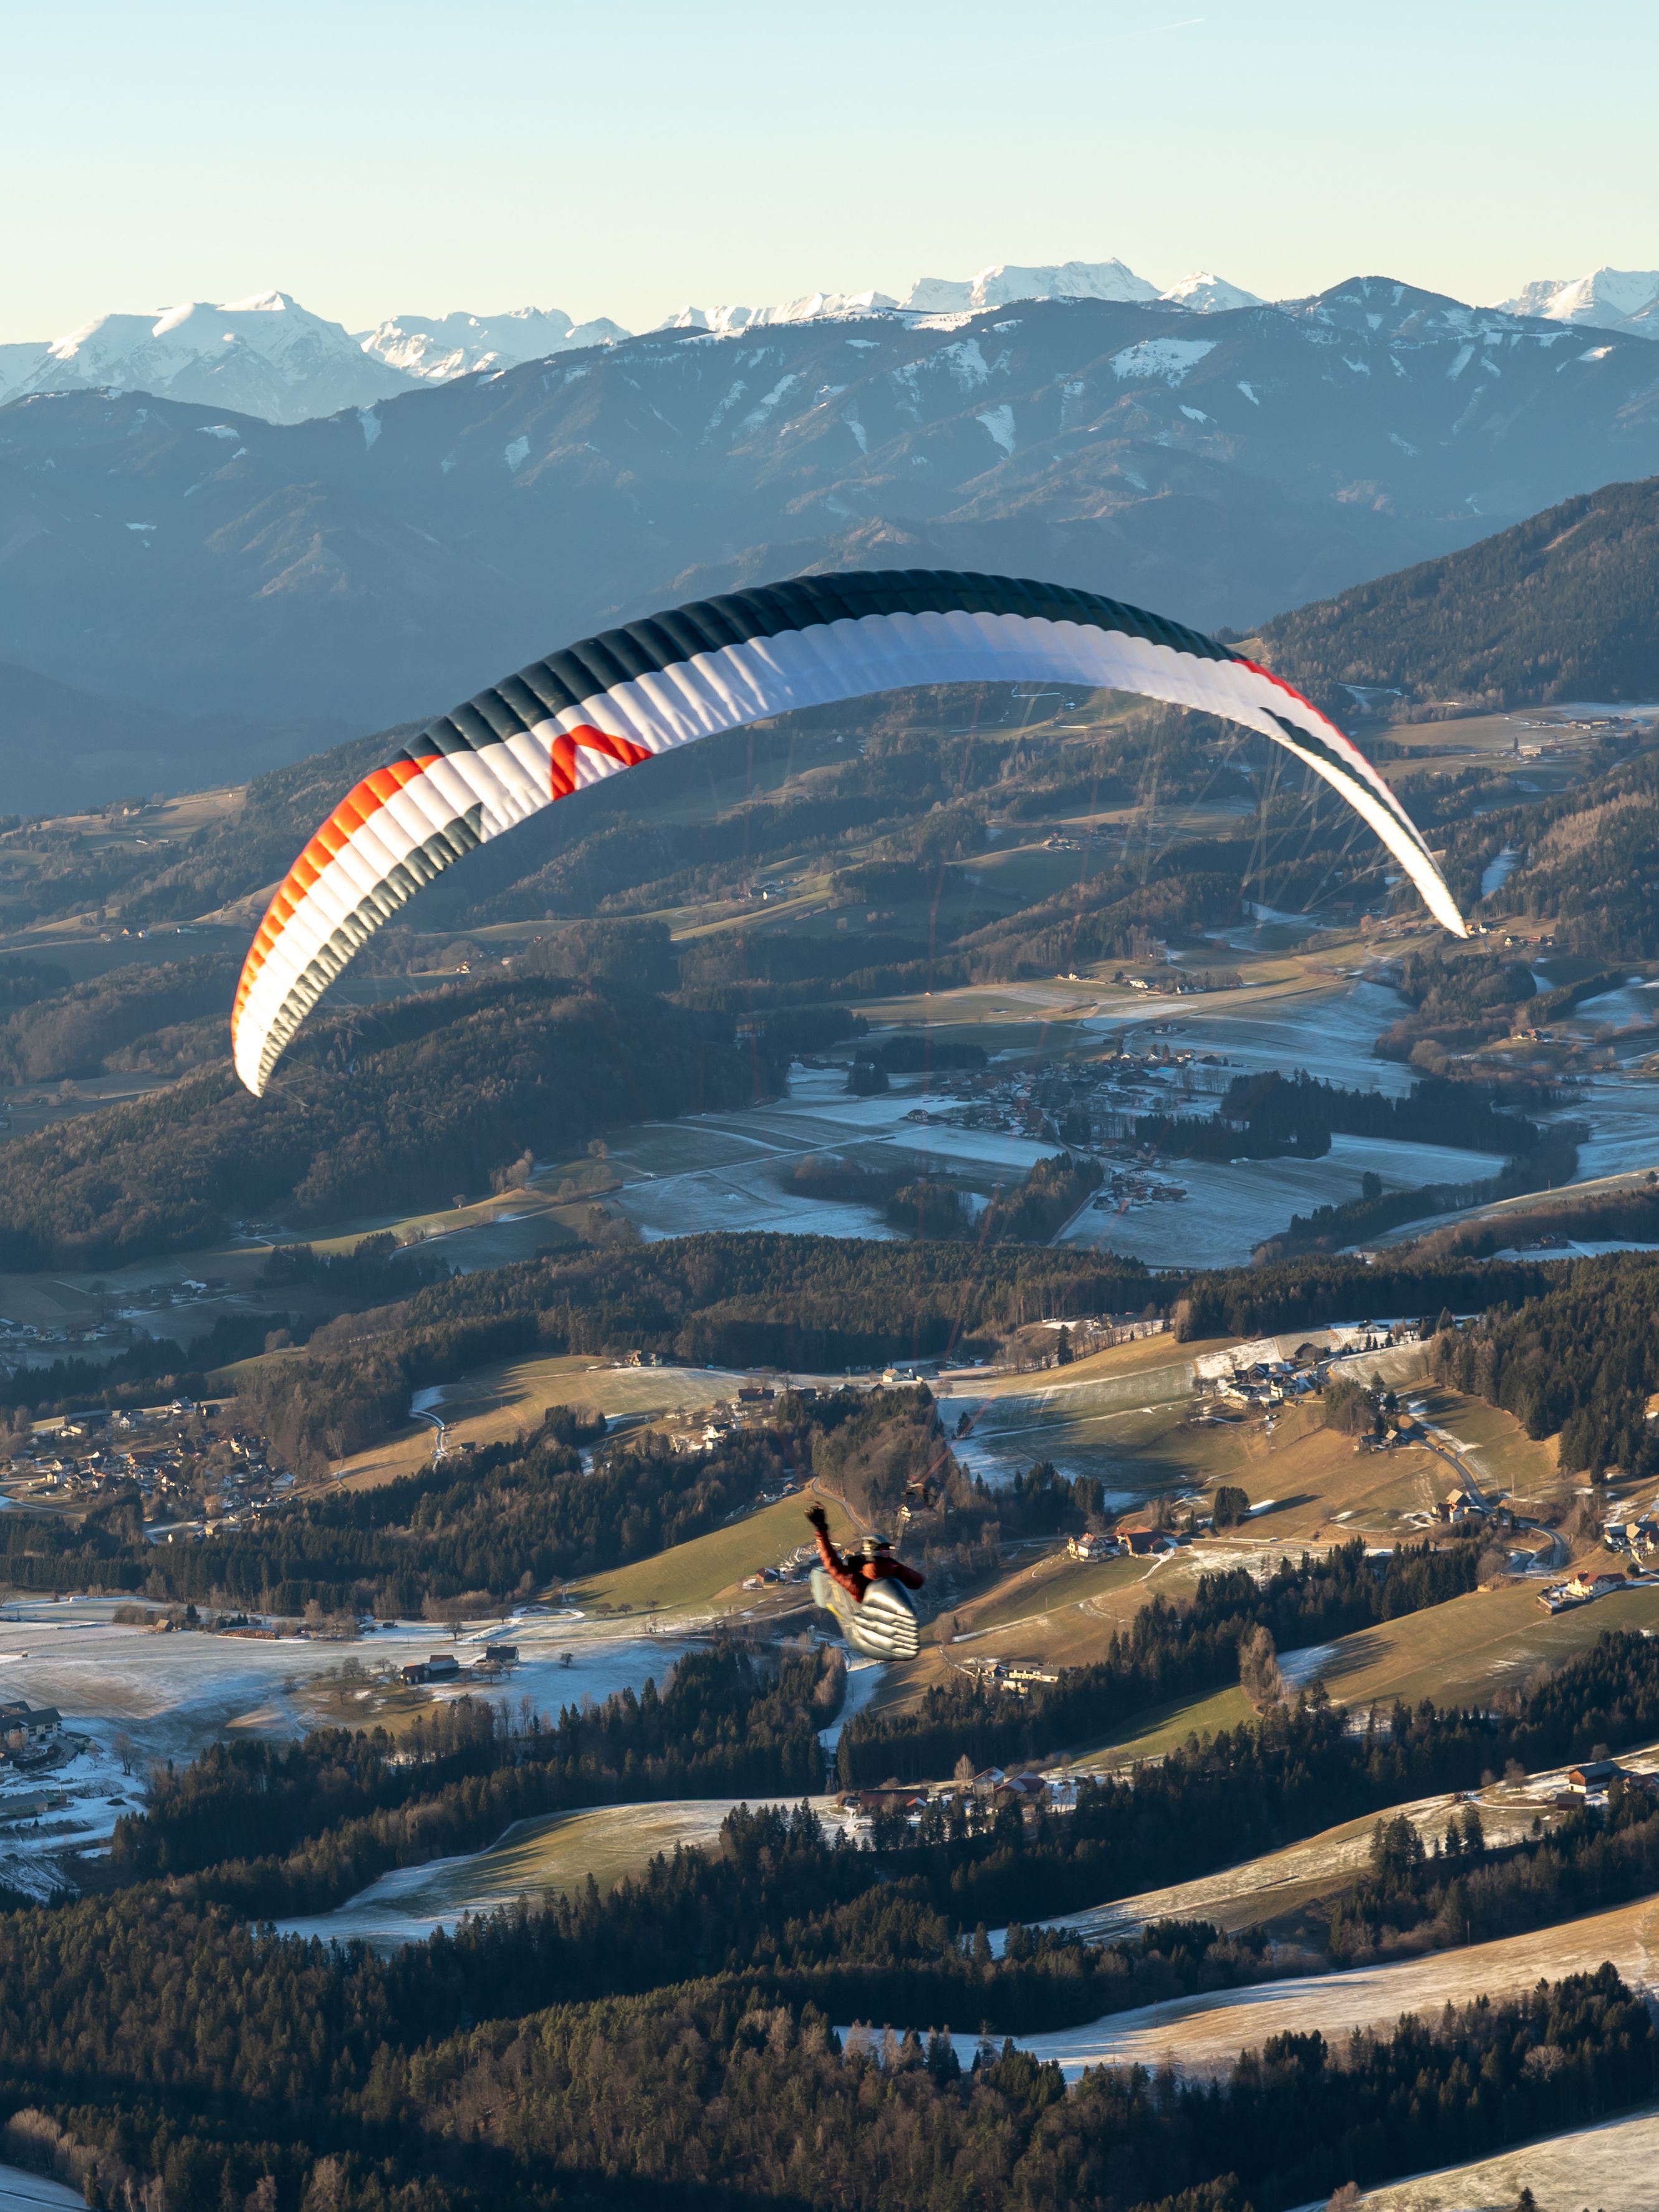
(882,1568)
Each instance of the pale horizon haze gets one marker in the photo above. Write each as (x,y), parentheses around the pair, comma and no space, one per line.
(374,159)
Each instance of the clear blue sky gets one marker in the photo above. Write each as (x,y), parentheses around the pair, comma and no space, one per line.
(622,157)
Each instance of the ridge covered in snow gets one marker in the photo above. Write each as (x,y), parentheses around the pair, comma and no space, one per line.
(439,347)
(1209,295)
(266,355)
(1000,286)
(809,309)
(1606,299)
(269,356)
(997,286)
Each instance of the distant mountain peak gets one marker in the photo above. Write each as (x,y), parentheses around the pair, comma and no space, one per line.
(1004,282)
(810,308)
(1000,284)
(1208,294)
(437,347)
(265,355)
(1607,298)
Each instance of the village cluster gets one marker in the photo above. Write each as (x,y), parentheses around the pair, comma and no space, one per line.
(193,1474)
(971,1801)
(1093,1104)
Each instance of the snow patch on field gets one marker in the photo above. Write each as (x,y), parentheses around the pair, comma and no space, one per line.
(999,422)
(1170,360)
(1496,873)
(1611,2166)
(1204,2034)
(32,2192)
(556,1852)
(165,1696)
(864,1678)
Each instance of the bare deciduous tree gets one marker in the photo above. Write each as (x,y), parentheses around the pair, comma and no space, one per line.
(1258,1668)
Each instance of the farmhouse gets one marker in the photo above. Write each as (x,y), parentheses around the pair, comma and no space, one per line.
(1093,1547)
(1594,1774)
(893,1798)
(25,1728)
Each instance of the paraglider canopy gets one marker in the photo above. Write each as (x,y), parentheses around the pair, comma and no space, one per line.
(615,700)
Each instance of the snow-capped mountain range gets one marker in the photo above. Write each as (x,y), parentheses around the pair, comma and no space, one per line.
(435,347)
(270,357)
(1608,299)
(1220,466)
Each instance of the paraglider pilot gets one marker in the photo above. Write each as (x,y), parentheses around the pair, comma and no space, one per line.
(854,1571)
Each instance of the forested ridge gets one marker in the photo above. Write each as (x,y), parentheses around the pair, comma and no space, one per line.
(278,1829)
(801,1303)
(139,1017)
(721,1298)
(1558,607)
(1580,1355)
(376,1110)
(1588,861)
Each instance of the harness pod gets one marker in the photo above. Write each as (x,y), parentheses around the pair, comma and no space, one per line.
(882,1626)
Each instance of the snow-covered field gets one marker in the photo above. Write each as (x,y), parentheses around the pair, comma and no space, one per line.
(864,1678)
(1203,2034)
(731,1170)
(1231,1208)
(20,2191)
(171,1693)
(556,1852)
(1330,1031)
(1623,1112)
(1080,1426)
(140,1696)
(1612,2166)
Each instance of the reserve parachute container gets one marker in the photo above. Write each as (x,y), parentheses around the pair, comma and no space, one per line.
(618,700)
